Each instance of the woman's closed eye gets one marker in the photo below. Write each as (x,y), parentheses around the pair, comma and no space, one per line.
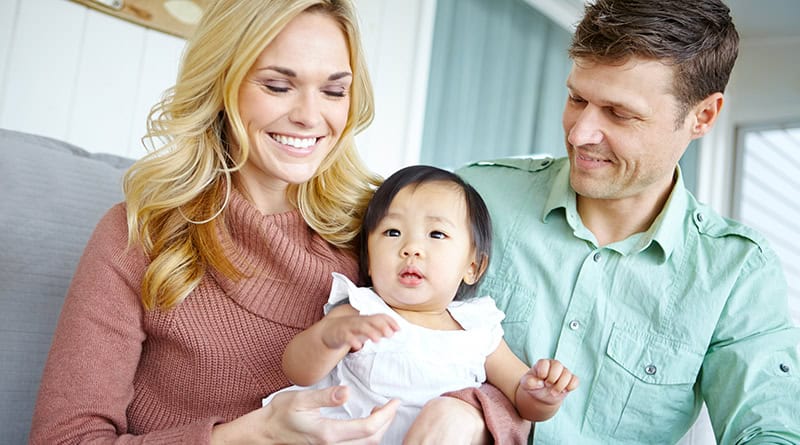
(276,87)
(335,92)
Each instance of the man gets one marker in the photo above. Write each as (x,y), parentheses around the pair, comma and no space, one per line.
(604,261)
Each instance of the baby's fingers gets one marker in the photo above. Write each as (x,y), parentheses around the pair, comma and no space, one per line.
(542,368)
(379,326)
(563,382)
(573,383)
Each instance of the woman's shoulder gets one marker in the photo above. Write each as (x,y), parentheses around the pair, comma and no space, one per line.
(113,225)
(110,239)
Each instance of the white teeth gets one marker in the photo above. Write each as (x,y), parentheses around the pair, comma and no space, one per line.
(294,142)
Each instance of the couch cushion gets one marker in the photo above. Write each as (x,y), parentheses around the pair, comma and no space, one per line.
(51,196)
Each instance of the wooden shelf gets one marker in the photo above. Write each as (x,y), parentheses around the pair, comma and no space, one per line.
(176,17)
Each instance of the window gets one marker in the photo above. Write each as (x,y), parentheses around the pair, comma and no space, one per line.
(766,192)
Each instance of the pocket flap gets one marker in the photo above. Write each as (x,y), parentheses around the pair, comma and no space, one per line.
(654,358)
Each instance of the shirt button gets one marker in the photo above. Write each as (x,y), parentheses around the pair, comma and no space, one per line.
(575,324)
(784,367)
(597,257)
(650,369)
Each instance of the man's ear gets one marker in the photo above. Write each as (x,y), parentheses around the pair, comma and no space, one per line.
(705,114)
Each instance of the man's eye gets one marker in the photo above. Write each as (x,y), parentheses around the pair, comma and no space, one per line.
(392,232)
(438,235)
(576,100)
(619,116)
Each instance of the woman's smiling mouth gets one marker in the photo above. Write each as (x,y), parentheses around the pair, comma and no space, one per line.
(294,142)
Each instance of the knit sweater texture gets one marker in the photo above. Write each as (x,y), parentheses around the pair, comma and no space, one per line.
(117,373)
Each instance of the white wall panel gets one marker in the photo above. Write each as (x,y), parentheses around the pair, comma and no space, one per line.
(397,39)
(105,93)
(8,14)
(158,71)
(42,67)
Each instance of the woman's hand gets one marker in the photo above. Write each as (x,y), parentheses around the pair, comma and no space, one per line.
(293,417)
(448,420)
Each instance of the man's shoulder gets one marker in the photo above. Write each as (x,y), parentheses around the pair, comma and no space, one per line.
(528,163)
(508,174)
(716,227)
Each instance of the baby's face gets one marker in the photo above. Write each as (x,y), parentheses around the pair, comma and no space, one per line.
(420,252)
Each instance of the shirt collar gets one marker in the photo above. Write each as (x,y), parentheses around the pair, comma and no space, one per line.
(665,231)
(561,193)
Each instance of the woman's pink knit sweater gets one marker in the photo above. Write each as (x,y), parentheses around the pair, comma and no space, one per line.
(119,374)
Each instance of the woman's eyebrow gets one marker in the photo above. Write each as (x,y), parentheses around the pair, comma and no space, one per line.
(291,73)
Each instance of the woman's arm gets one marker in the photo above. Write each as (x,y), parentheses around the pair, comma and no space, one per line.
(88,386)
(313,353)
(88,378)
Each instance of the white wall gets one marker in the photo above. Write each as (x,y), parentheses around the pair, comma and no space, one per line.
(397,36)
(75,74)
(72,73)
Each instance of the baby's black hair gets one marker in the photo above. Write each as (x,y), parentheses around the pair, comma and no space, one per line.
(416,175)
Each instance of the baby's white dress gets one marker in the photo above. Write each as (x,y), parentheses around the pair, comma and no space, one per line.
(415,365)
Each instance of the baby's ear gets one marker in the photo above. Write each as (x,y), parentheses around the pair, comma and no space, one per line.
(475,270)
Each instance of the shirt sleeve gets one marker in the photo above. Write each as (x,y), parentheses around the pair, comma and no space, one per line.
(502,419)
(750,377)
(88,379)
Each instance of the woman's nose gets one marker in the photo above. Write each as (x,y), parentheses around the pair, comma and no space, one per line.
(306,110)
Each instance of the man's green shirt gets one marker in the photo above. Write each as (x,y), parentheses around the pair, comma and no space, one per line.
(693,309)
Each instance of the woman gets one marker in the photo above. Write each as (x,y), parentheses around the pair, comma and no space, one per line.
(187,293)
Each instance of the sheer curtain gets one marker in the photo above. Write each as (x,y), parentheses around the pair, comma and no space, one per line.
(496,85)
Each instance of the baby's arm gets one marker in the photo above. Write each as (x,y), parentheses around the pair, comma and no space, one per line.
(537,392)
(313,353)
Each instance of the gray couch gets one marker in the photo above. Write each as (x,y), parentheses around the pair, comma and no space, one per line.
(53,194)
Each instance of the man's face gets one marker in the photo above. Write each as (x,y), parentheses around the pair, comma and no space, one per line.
(622,131)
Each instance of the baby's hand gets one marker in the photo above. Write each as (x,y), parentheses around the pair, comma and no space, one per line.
(355,330)
(548,381)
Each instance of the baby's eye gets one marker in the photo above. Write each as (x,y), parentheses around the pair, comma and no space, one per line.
(438,235)
(391,232)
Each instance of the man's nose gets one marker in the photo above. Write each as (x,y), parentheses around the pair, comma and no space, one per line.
(586,129)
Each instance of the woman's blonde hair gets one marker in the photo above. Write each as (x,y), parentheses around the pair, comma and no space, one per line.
(176,194)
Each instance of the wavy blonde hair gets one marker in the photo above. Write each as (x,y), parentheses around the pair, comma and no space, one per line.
(176,196)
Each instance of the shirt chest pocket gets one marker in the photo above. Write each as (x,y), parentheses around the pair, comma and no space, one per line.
(644,391)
